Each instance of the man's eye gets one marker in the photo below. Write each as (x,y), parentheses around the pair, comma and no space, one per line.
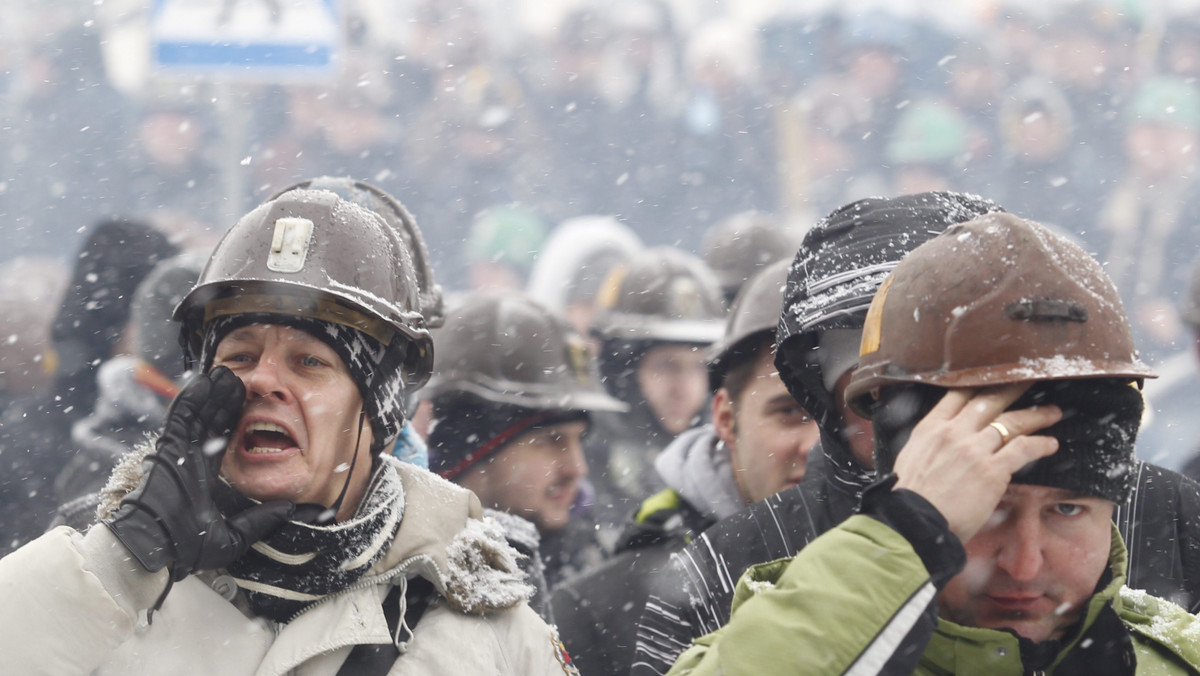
(795,415)
(1068,509)
(311,361)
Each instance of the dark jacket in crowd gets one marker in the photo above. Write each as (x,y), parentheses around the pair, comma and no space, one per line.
(35,434)
(703,575)
(597,612)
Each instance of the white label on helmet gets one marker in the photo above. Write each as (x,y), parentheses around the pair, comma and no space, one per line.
(289,244)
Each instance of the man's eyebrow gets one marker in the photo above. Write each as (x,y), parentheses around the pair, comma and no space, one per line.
(240,333)
(782,398)
(1069,494)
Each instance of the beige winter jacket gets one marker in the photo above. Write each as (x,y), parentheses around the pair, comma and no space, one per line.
(75,604)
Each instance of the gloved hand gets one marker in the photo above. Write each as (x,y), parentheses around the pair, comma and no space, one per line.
(172,517)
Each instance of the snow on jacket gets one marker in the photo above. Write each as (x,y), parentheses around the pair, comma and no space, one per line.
(75,604)
(704,573)
(861,600)
(598,611)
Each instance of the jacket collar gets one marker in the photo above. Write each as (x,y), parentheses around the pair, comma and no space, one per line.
(699,468)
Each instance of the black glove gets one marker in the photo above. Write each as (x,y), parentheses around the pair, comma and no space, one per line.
(172,518)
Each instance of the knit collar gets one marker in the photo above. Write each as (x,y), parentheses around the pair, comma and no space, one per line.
(301,564)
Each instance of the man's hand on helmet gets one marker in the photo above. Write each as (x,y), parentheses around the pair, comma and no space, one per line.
(962,455)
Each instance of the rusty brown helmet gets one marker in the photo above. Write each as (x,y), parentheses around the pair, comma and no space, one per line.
(995,300)
(310,253)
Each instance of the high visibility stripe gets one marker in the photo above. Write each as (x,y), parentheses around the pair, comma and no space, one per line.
(872,660)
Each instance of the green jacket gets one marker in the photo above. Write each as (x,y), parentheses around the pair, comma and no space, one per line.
(858,599)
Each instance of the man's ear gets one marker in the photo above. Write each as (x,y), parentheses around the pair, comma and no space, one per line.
(723,417)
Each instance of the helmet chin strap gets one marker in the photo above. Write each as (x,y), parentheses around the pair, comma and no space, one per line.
(337,504)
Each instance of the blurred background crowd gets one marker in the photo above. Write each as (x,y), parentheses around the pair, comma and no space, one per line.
(509,129)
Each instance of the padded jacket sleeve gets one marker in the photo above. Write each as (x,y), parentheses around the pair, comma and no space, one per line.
(858,600)
(70,600)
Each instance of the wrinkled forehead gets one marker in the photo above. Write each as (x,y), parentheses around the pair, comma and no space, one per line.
(258,330)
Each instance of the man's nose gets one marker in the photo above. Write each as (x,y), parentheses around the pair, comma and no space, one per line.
(574,463)
(1022,552)
(806,438)
(264,379)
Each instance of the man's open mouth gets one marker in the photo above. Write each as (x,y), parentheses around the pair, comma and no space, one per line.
(266,437)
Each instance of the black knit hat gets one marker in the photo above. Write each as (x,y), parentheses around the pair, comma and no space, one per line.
(1095,436)
(467,430)
(115,258)
(835,273)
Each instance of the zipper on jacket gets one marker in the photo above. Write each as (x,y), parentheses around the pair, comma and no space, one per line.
(402,569)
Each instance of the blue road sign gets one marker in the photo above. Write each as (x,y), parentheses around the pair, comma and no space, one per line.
(246,38)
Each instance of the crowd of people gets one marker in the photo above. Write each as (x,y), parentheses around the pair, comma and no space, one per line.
(1082,115)
(824,346)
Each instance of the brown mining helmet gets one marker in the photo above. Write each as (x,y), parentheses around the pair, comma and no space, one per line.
(992,301)
(663,295)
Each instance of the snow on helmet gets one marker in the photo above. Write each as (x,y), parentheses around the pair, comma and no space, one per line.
(401,221)
(992,301)
(836,271)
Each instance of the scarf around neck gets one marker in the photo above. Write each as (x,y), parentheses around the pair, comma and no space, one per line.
(300,564)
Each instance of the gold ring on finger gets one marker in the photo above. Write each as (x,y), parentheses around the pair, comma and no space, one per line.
(1005,435)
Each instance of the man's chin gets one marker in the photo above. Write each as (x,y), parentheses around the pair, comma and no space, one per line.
(1037,630)
(552,523)
(263,489)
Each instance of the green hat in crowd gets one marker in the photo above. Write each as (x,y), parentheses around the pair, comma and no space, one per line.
(509,234)
(1166,99)
(928,132)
